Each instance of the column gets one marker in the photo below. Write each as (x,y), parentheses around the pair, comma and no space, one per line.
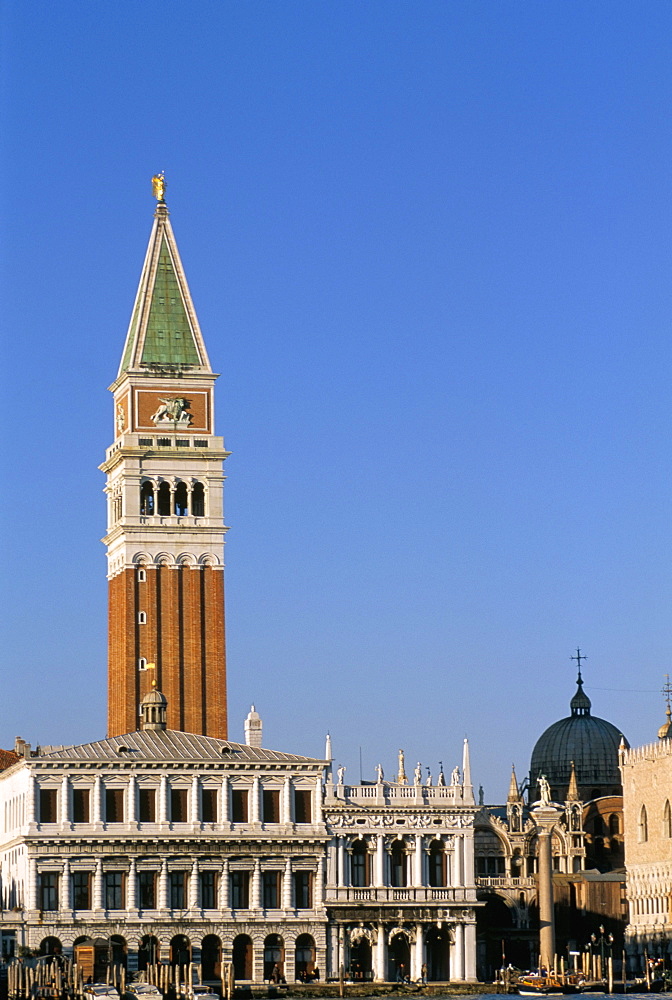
(98,901)
(470,952)
(457,968)
(331,862)
(317,800)
(256,886)
(286,801)
(32,883)
(379,878)
(457,859)
(163,886)
(65,896)
(132,887)
(98,801)
(333,951)
(64,810)
(468,843)
(194,812)
(340,880)
(131,801)
(287,886)
(417,954)
(225,806)
(380,971)
(417,866)
(163,800)
(255,811)
(545,817)
(194,886)
(224,886)
(31,801)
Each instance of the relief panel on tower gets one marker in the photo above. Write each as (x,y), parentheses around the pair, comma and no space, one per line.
(157,408)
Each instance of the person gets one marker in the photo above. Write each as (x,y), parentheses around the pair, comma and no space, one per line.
(423,974)
(316,974)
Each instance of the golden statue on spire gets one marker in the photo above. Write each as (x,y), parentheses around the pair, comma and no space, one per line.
(159,186)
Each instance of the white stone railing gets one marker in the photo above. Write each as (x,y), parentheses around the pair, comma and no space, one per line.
(501,882)
(408,794)
(389,894)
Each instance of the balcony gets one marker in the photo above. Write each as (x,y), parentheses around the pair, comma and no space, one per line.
(389,894)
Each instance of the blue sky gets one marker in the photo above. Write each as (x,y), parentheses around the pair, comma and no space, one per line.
(429,247)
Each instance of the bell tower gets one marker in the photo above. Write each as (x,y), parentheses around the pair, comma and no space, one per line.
(165,533)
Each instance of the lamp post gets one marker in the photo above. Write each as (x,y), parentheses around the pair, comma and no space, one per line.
(605,941)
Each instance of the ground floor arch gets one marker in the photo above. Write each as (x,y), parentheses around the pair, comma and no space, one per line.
(399,958)
(149,952)
(211,957)
(437,951)
(304,957)
(243,957)
(361,959)
(274,959)
(180,950)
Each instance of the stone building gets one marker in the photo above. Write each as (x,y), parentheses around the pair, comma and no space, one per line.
(647,809)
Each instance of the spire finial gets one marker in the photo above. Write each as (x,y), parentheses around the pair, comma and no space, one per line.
(159,186)
(579,656)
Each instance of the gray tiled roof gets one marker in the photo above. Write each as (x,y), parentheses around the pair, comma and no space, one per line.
(171,745)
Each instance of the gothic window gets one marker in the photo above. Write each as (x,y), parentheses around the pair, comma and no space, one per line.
(181,500)
(302,806)
(437,864)
(667,820)
(114,891)
(239,811)
(147,498)
(271,806)
(80,807)
(209,805)
(81,890)
(164,500)
(198,500)
(643,826)
(147,802)
(359,865)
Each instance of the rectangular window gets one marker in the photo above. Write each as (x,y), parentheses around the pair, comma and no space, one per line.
(147,803)
(114,891)
(182,443)
(209,805)
(239,813)
(240,890)
(303,890)
(114,805)
(303,812)
(80,805)
(200,444)
(49,891)
(178,890)
(209,886)
(271,806)
(271,882)
(147,890)
(48,805)
(164,442)
(179,801)
(81,890)
(146,442)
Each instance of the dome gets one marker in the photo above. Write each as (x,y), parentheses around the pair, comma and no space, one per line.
(153,710)
(591,744)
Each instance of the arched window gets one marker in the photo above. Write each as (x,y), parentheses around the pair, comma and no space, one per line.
(146,498)
(614,825)
(142,575)
(359,865)
(198,500)
(398,865)
(437,865)
(643,825)
(164,500)
(181,500)
(667,820)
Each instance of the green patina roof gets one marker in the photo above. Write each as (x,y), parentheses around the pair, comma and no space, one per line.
(169,337)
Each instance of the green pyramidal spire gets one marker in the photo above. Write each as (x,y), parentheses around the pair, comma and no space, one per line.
(164,331)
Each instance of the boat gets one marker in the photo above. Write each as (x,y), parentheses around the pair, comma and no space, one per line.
(533,985)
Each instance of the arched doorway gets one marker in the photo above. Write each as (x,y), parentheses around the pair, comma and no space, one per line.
(438,955)
(242,957)
(180,950)
(211,957)
(399,958)
(149,952)
(274,958)
(304,958)
(360,959)
(118,950)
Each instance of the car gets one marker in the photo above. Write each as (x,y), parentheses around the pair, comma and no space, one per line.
(100,991)
(143,991)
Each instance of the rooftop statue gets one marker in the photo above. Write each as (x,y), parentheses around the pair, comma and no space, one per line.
(159,186)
